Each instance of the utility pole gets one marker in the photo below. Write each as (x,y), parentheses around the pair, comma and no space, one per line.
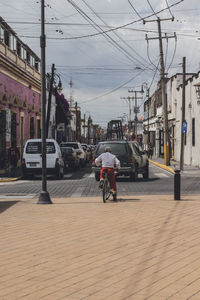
(162,81)
(136,109)
(84,128)
(71,100)
(44,197)
(148,137)
(76,121)
(129,110)
(49,99)
(182,118)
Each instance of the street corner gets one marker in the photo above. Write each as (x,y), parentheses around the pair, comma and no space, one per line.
(169,169)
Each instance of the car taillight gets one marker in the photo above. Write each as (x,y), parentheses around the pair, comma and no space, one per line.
(130,160)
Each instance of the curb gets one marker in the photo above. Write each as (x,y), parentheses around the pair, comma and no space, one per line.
(10,179)
(162,166)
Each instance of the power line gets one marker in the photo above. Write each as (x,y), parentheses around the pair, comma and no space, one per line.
(134,9)
(169,9)
(152,8)
(111,29)
(114,32)
(110,39)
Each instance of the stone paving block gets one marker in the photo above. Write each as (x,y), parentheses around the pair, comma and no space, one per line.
(95,251)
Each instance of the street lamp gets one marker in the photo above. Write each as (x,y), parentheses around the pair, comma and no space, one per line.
(44,197)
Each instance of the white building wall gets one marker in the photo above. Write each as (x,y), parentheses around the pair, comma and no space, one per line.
(192,110)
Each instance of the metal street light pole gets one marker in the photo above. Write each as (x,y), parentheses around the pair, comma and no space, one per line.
(44,197)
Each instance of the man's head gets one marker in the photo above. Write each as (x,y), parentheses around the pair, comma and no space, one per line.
(107,149)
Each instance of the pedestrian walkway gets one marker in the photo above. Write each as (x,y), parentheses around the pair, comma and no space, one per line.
(174,165)
(142,247)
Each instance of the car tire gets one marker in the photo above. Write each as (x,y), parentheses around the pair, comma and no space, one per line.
(146,173)
(97,176)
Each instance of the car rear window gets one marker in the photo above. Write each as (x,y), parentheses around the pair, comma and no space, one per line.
(36,148)
(66,150)
(73,145)
(117,149)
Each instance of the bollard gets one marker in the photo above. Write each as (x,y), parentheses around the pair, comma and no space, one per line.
(177,184)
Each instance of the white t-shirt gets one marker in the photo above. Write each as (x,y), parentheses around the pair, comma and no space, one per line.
(108,160)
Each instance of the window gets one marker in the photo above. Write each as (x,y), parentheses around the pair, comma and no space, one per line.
(38,129)
(19,49)
(28,58)
(32,129)
(193,131)
(1,34)
(36,148)
(7,38)
(116,148)
(37,65)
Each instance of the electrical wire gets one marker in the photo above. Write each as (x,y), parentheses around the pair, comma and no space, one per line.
(134,9)
(152,8)
(149,55)
(109,30)
(173,54)
(96,14)
(112,91)
(166,52)
(108,38)
(169,9)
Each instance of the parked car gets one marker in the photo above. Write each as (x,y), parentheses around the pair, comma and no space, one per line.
(70,157)
(87,151)
(141,158)
(32,158)
(79,150)
(123,152)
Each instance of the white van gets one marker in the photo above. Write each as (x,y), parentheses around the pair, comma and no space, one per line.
(32,158)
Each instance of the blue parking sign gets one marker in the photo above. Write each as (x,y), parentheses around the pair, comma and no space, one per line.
(184,127)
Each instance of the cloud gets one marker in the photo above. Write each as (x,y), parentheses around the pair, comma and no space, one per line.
(99,64)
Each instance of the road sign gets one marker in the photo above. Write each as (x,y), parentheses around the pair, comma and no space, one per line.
(184,127)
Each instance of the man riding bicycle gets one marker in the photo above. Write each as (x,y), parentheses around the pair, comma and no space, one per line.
(108,161)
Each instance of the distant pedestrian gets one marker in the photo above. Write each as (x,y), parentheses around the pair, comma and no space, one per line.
(13,157)
(150,150)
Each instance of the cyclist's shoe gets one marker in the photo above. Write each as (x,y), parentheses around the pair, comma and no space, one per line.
(114,194)
(101,184)
(115,197)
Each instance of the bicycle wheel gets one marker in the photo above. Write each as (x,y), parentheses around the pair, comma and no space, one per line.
(106,190)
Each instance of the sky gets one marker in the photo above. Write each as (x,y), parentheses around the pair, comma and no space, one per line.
(105,48)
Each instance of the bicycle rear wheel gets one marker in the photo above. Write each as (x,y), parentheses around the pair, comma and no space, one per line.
(106,190)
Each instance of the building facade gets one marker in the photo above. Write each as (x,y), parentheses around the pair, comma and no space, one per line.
(20,93)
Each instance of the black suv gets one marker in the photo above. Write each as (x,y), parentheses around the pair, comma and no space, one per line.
(123,152)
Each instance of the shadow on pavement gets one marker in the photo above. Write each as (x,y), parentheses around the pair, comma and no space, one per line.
(6,204)
(127,200)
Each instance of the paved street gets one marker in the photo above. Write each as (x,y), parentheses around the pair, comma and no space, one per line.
(143,247)
(82,183)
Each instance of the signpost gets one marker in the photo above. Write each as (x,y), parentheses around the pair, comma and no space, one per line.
(184,127)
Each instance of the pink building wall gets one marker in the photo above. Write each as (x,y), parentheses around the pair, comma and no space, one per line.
(16,90)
